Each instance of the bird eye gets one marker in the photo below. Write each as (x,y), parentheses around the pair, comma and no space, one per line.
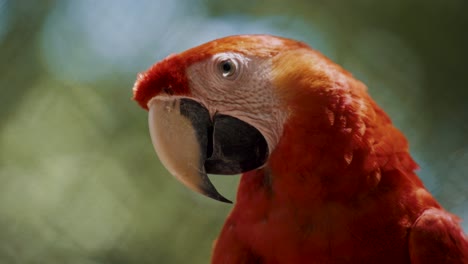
(228,68)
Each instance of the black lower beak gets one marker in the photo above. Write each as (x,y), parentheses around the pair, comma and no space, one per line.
(237,147)
(191,144)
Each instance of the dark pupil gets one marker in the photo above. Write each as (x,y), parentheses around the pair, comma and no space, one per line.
(227,66)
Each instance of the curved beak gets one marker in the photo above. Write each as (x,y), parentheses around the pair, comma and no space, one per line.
(191,144)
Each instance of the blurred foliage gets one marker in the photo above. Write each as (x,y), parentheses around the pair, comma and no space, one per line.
(79,180)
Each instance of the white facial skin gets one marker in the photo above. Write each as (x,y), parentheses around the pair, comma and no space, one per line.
(239,86)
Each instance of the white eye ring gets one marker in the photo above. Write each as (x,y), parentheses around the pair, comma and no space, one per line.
(228,68)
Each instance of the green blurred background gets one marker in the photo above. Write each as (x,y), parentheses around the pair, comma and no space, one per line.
(79,180)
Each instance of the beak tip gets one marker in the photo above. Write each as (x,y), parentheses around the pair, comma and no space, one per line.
(223,199)
(210,191)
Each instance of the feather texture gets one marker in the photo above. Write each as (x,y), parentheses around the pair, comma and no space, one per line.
(340,185)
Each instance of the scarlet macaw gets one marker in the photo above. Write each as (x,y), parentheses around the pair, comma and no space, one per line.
(326,176)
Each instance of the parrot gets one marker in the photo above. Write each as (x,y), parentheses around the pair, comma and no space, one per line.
(326,176)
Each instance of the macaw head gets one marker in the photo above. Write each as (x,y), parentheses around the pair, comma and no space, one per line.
(222,107)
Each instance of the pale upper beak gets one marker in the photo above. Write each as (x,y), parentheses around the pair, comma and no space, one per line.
(190,143)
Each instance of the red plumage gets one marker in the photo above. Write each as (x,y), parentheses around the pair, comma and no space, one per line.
(339,187)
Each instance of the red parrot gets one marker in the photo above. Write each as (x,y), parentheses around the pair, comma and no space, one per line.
(327,178)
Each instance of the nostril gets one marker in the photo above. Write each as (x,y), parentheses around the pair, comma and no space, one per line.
(168,91)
